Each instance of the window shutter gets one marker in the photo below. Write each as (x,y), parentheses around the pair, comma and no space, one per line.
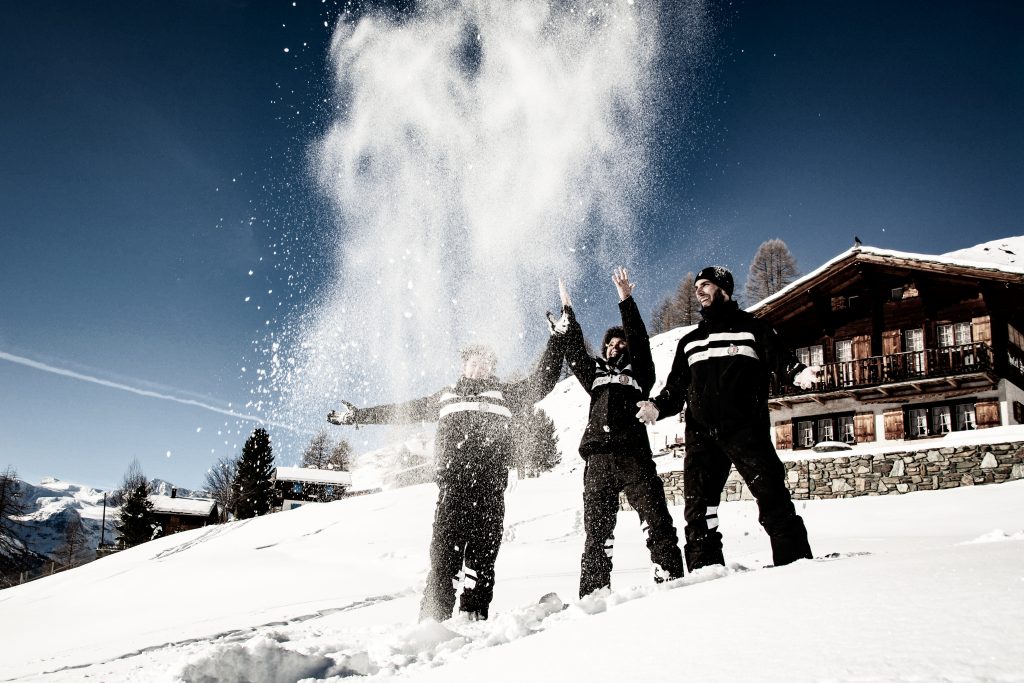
(784,435)
(890,342)
(986,413)
(864,427)
(981,329)
(862,346)
(894,424)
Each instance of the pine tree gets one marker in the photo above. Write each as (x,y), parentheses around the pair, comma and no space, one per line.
(254,491)
(772,269)
(536,448)
(137,522)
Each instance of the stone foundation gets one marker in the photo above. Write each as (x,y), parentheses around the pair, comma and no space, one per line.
(847,476)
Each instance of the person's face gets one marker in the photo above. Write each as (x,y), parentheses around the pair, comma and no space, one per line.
(708,293)
(477,367)
(614,347)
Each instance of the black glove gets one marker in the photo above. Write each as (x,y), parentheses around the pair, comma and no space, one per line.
(346,416)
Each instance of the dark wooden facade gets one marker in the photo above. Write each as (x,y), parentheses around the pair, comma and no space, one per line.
(173,514)
(909,346)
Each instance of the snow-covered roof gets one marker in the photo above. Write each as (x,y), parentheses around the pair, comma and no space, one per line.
(312,476)
(998,256)
(183,506)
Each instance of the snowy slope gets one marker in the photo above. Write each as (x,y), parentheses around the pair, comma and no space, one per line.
(927,585)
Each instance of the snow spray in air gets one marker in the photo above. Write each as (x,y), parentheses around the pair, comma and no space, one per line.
(481,151)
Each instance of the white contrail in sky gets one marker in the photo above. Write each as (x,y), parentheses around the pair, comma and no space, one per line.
(28,362)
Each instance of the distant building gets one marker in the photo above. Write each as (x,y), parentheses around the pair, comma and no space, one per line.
(910,345)
(296,486)
(174,514)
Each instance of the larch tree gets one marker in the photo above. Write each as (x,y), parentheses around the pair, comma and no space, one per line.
(220,479)
(14,556)
(341,456)
(318,452)
(772,269)
(74,541)
(678,309)
(254,492)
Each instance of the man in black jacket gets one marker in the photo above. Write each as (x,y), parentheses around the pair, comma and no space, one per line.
(721,372)
(473,451)
(615,446)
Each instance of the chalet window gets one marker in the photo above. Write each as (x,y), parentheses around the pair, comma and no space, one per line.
(817,428)
(825,429)
(913,346)
(805,433)
(846,431)
(965,417)
(940,418)
(811,355)
(844,350)
(954,334)
(913,339)
(896,294)
(329,490)
(838,303)
(941,422)
(297,487)
(1018,412)
(918,425)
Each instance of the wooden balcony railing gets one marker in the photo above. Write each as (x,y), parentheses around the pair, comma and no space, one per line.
(946,361)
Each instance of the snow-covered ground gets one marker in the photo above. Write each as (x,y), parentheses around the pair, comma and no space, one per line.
(926,586)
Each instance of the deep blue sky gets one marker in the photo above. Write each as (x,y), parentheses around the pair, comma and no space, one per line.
(154,153)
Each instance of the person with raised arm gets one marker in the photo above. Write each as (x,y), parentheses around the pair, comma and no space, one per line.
(473,452)
(615,447)
(721,373)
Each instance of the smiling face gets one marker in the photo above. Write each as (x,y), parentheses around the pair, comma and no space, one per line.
(615,347)
(708,293)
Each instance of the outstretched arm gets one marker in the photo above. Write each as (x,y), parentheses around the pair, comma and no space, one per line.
(636,332)
(418,410)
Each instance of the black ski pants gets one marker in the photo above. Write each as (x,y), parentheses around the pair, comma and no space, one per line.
(468,526)
(709,454)
(633,473)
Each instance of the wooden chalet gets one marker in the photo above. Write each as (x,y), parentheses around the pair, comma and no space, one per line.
(173,513)
(296,486)
(910,346)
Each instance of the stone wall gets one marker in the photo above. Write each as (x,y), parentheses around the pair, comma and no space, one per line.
(846,476)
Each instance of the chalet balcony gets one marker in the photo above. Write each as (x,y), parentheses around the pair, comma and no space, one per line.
(949,368)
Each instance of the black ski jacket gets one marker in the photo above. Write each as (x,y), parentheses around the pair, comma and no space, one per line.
(474,416)
(722,370)
(615,387)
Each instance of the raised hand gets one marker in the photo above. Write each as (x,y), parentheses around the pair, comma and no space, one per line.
(345,416)
(561,325)
(620,276)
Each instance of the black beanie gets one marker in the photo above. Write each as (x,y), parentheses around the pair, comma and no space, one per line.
(718,275)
